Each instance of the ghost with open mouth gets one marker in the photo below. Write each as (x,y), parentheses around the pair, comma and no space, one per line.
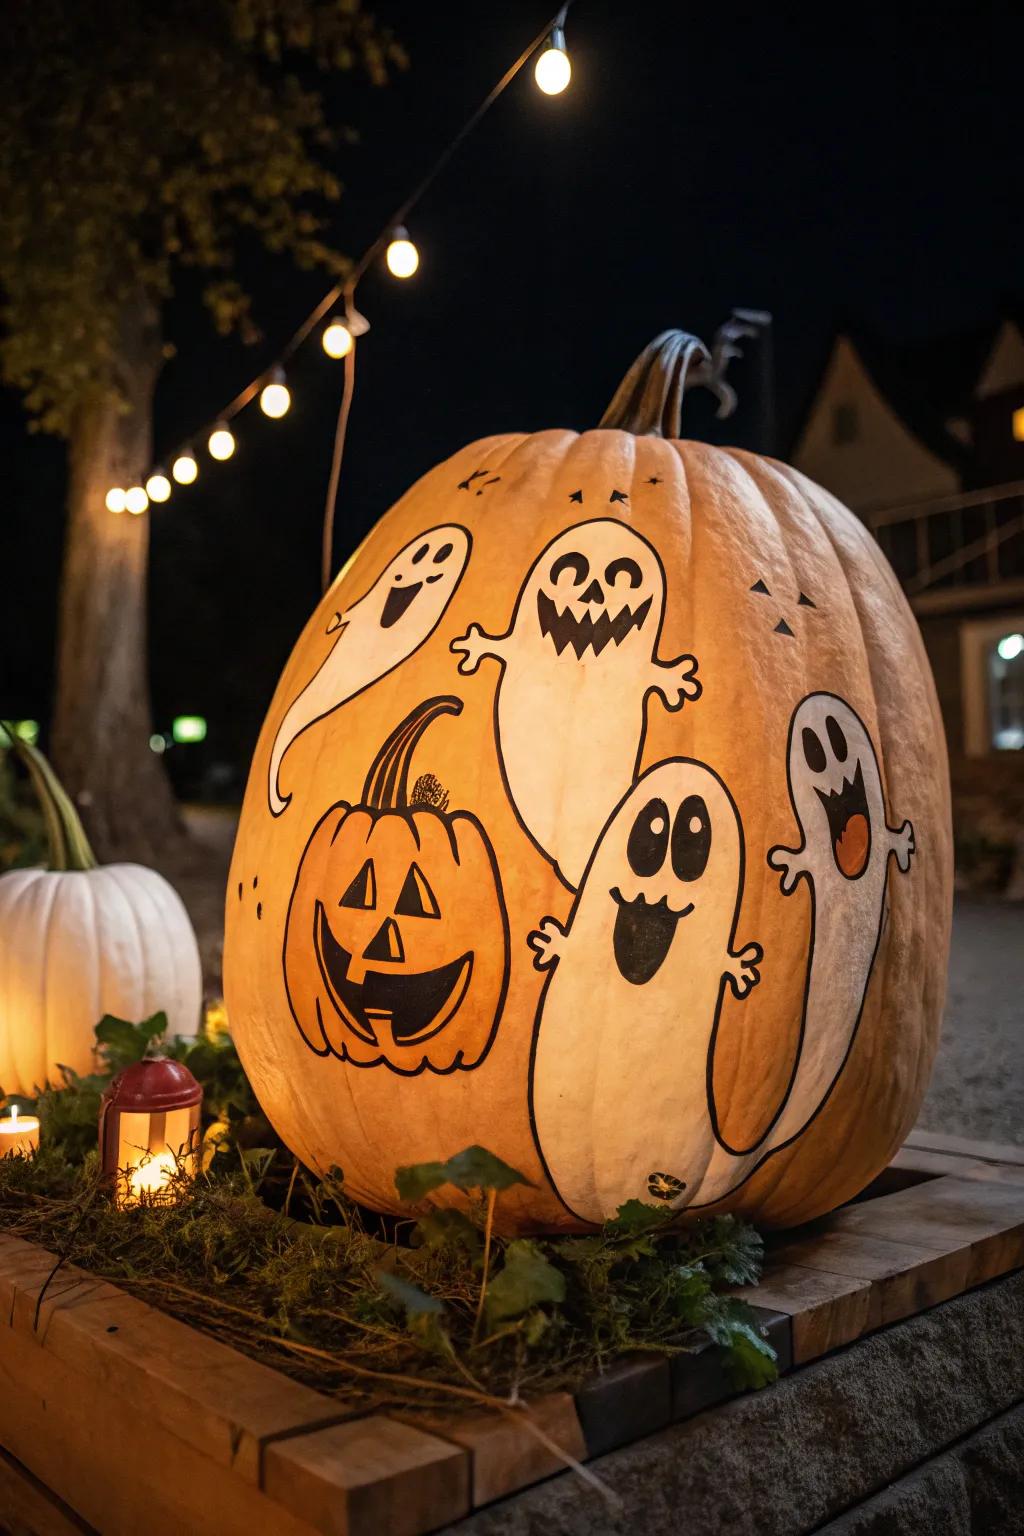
(846,843)
(579,660)
(635,984)
(374,634)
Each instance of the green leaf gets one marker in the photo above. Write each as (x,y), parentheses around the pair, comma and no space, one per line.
(418,1179)
(526,1279)
(416,1302)
(749,1359)
(123,1043)
(447,1229)
(635,1216)
(474,1168)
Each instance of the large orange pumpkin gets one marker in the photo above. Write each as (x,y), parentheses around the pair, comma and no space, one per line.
(699,858)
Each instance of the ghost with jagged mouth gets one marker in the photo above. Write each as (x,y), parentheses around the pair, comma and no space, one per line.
(579,659)
(374,635)
(636,979)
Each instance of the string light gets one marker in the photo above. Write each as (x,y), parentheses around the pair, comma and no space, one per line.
(275,397)
(115,499)
(185,469)
(402,256)
(222,442)
(337,339)
(553,69)
(158,487)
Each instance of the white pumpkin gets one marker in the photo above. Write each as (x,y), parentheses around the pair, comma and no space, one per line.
(80,940)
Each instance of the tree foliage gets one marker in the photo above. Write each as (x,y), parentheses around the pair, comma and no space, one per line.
(136,139)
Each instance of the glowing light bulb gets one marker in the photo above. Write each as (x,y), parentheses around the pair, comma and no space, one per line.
(115,499)
(1010,647)
(158,487)
(135,499)
(275,397)
(222,442)
(402,256)
(184,469)
(337,339)
(553,71)
(153,1175)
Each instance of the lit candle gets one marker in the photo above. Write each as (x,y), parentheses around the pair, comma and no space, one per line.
(151,1176)
(18,1134)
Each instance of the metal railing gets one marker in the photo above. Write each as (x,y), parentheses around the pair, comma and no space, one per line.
(972,540)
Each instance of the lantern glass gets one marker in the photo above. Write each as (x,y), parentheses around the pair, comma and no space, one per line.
(151,1147)
(150,1131)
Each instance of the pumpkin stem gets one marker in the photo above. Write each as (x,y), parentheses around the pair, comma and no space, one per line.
(69,846)
(649,401)
(387,783)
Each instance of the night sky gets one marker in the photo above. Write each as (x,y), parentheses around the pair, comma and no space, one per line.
(864,166)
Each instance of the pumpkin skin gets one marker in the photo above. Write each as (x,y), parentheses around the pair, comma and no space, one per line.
(76,944)
(781,596)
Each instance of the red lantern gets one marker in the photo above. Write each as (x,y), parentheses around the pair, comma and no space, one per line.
(149,1128)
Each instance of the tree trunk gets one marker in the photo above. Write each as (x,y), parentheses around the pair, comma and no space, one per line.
(102,721)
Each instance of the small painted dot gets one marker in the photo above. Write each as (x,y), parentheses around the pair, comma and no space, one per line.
(239,890)
(112,1327)
(255,881)
(259,911)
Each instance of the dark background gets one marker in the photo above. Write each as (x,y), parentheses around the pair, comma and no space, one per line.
(860,165)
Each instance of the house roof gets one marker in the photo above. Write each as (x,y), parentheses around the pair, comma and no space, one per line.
(926,381)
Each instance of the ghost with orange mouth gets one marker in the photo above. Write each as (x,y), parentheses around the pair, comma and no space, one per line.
(375,634)
(579,660)
(836,789)
(636,979)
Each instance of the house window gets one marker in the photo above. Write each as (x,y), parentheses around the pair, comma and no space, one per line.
(844,424)
(1006,692)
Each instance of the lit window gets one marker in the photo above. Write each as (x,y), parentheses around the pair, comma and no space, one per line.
(1018,424)
(844,424)
(1006,692)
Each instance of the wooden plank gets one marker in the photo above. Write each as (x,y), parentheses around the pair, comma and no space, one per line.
(632,1398)
(963,1146)
(504,1453)
(905,1279)
(224,1404)
(118,1469)
(27,1508)
(946,1215)
(826,1310)
(368,1477)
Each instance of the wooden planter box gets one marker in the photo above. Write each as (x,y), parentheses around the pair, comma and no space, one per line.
(117,1418)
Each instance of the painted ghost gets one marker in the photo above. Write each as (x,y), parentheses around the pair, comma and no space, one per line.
(578,662)
(378,632)
(625,1023)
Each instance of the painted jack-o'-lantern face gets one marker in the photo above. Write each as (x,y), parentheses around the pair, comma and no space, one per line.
(396,943)
(595,585)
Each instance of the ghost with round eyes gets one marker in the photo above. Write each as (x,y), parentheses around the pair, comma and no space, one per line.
(375,634)
(846,843)
(579,660)
(636,979)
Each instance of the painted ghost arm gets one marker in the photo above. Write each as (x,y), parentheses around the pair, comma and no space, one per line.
(675,680)
(741,968)
(793,863)
(548,943)
(902,844)
(475,645)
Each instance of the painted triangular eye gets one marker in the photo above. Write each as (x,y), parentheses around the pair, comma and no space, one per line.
(416,899)
(759,586)
(363,890)
(803,601)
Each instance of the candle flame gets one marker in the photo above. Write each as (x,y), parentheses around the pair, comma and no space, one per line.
(14,1112)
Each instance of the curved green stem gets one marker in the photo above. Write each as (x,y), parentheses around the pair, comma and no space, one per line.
(69,846)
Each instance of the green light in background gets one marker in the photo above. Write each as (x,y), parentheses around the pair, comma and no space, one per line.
(188,728)
(25,730)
